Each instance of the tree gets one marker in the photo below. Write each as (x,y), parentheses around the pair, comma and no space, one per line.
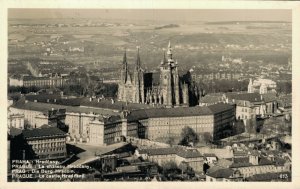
(170,169)
(188,135)
(207,138)
(170,141)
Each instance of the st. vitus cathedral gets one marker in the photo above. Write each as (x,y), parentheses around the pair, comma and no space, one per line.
(165,87)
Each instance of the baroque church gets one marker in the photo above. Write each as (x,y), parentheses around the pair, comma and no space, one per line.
(164,87)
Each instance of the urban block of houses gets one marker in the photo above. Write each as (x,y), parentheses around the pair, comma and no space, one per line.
(248,105)
(180,155)
(253,162)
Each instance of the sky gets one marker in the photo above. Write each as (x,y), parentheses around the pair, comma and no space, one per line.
(158,14)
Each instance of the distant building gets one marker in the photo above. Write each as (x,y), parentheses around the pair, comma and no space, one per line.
(210,158)
(179,155)
(248,105)
(224,175)
(55,80)
(252,105)
(252,163)
(16,121)
(165,87)
(45,143)
(262,86)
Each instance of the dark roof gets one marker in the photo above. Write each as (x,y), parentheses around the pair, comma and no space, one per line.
(111,104)
(179,111)
(158,151)
(269,97)
(209,155)
(264,161)
(211,99)
(189,153)
(42,132)
(241,160)
(221,173)
(180,151)
(44,107)
(240,153)
(15,131)
(32,78)
(269,176)
(251,97)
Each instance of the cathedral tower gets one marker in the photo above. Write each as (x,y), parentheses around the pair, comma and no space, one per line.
(169,80)
(138,80)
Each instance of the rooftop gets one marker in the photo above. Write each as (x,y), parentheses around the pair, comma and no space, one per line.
(221,173)
(251,97)
(44,107)
(270,176)
(42,132)
(180,151)
(178,112)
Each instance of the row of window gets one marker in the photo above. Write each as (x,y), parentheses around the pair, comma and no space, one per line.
(49,150)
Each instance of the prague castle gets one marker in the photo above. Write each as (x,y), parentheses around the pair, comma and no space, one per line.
(165,87)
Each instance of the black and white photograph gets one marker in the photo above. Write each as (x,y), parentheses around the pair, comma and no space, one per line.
(149,95)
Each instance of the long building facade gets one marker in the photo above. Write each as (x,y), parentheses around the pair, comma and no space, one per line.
(164,87)
(99,127)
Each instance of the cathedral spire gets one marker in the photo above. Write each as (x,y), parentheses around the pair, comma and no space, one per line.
(138,60)
(125,67)
(169,52)
(125,60)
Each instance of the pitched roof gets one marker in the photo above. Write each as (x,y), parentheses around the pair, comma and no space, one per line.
(221,173)
(269,97)
(211,99)
(158,151)
(189,153)
(240,153)
(110,104)
(180,151)
(178,112)
(42,132)
(209,155)
(269,176)
(224,162)
(44,107)
(251,97)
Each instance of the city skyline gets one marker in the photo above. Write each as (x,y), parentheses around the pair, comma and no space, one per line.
(224,108)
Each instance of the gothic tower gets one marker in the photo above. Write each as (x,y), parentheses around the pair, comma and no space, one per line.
(138,80)
(169,80)
(123,78)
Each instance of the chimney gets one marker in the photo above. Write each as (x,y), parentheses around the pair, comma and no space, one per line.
(26,101)
(98,99)
(48,100)
(54,100)
(90,99)
(261,97)
(112,101)
(35,100)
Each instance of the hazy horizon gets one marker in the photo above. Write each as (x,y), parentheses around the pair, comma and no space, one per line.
(157,14)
